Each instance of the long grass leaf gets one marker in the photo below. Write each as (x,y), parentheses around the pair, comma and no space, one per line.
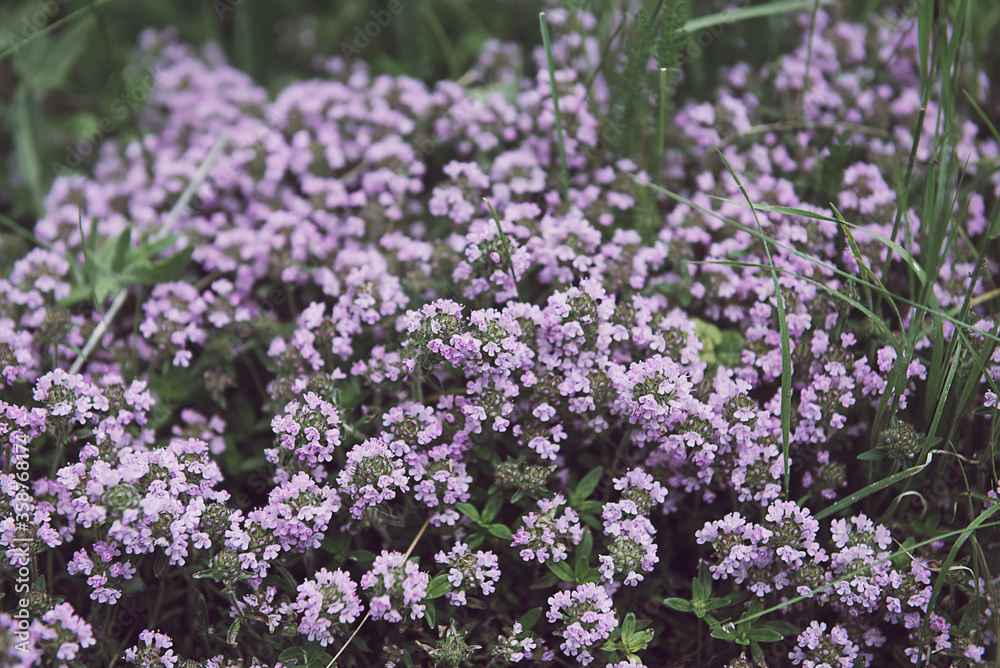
(564,180)
(794,251)
(27,234)
(945,568)
(786,345)
(506,247)
(804,213)
(833,293)
(747,13)
(72,16)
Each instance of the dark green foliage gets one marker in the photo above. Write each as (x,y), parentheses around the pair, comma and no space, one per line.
(635,82)
(660,36)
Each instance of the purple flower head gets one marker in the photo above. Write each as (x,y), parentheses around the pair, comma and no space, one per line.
(397,586)
(546,536)
(306,434)
(586,618)
(325,604)
(152,654)
(468,571)
(373,474)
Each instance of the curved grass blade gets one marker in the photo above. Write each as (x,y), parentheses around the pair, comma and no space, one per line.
(72,16)
(834,293)
(27,234)
(946,567)
(756,12)
(506,248)
(803,213)
(786,345)
(805,256)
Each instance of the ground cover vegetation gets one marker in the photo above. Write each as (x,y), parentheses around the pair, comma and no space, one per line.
(666,336)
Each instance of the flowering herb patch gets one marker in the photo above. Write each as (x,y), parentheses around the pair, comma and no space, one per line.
(378,372)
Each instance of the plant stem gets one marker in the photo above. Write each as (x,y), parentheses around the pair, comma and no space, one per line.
(406,556)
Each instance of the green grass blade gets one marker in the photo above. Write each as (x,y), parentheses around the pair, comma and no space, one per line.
(18,229)
(72,16)
(27,151)
(876,486)
(833,293)
(946,566)
(803,213)
(809,258)
(506,247)
(786,345)
(564,180)
(661,126)
(925,24)
(747,13)
(982,114)
(903,192)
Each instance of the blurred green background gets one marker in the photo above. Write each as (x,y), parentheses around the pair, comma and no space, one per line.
(64,64)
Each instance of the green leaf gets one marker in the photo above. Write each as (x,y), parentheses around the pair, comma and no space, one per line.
(701,586)
(765,635)
(233,633)
(640,640)
(715,604)
(430,614)
(500,531)
(153,247)
(438,587)
(529,619)
(292,654)
(679,604)
(849,501)
(200,611)
(628,627)
(163,271)
(873,455)
(582,569)
(781,626)
(561,570)
(469,511)
(25,144)
(586,545)
(316,656)
(492,508)
(121,244)
(591,506)
(588,484)
(47,65)
(745,13)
